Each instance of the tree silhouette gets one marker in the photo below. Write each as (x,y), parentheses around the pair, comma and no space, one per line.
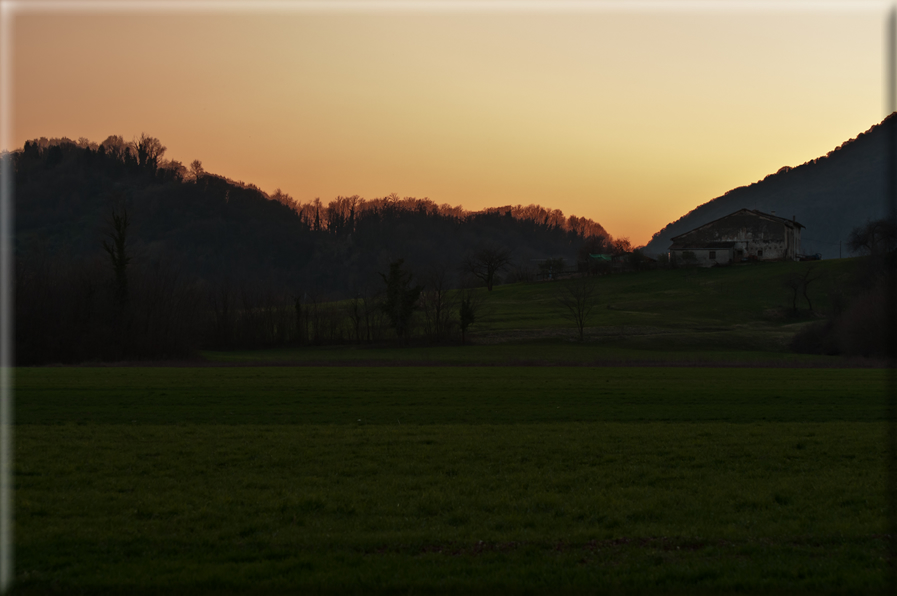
(196,171)
(438,302)
(401,297)
(149,151)
(485,262)
(117,248)
(577,298)
(798,282)
(873,238)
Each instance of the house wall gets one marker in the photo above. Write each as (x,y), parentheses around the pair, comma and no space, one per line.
(722,256)
(754,237)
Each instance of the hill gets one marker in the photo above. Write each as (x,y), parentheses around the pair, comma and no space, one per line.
(212,228)
(830,195)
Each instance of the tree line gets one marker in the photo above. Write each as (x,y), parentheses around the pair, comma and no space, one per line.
(215,228)
(122,254)
(112,308)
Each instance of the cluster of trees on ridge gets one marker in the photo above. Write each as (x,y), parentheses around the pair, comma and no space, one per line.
(215,228)
(121,253)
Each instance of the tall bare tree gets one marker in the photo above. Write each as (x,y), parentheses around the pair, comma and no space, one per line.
(438,302)
(117,248)
(577,299)
(485,262)
(798,282)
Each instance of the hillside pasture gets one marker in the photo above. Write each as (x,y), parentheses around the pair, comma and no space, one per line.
(723,315)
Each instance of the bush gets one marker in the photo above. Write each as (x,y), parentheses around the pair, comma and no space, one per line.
(860,330)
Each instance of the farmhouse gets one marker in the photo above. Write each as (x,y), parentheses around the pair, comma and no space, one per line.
(745,235)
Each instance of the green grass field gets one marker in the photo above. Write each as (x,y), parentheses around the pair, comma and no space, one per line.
(703,300)
(733,315)
(449,478)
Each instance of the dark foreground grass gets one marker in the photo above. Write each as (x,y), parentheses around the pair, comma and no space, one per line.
(446,395)
(167,481)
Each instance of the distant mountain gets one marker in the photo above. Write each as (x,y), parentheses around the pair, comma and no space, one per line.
(213,229)
(830,195)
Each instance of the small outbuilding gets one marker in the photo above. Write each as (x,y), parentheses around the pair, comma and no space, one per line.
(746,235)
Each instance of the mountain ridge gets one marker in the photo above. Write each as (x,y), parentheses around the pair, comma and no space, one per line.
(830,195)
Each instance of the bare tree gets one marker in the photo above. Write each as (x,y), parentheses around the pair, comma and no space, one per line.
(485,262)
(577,299)
(117,248)
(438,302)
(400,299)
(809,276)
(873,238)
(196,171)
(149,151)
(798,282)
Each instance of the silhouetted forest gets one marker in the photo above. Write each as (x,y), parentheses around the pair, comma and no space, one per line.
(830,195)
(122,254)
(216,228)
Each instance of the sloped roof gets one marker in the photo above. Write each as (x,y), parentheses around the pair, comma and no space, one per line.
(790,223)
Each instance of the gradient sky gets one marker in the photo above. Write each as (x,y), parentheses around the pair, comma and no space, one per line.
(630,116)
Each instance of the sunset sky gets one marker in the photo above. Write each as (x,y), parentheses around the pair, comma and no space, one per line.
(631,114)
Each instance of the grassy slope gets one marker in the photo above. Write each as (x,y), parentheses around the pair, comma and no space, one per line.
(729,314)
(749,296)
(417,479)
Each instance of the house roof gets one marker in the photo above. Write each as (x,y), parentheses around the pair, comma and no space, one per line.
(790,223)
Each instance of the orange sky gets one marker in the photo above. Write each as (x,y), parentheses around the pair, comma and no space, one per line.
(631,116)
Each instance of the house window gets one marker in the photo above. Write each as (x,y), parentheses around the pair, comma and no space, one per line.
(759,253)
(713,254)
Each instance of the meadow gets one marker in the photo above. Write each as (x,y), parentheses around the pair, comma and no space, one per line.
(724,315)
(450,478)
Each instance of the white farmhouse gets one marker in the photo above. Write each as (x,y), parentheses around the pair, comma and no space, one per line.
(745,235)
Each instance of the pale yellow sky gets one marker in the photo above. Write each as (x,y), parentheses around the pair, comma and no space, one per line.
(631,118)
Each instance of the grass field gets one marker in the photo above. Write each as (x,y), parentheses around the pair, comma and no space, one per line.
(449,478)
(730,315)
(688,300)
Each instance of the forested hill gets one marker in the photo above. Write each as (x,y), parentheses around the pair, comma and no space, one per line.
(214,228)
(830,195)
